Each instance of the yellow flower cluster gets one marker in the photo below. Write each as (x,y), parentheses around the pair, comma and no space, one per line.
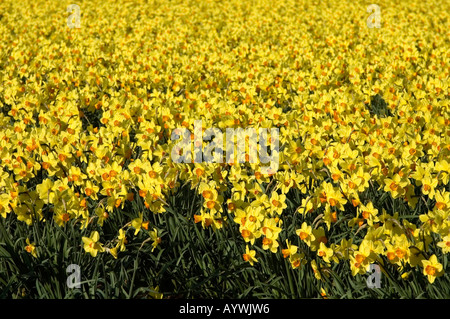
(88,114)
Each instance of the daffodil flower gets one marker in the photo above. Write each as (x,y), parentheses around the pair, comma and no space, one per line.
(91,244)
(249,256)
(31,248)
(136,223)
(432,268)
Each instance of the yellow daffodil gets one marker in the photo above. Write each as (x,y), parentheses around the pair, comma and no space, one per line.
(137,223)
(31,248)
(91,244)
(249,256)
(305,233)
(432,268)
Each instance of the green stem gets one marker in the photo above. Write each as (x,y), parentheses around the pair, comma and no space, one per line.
(134,275)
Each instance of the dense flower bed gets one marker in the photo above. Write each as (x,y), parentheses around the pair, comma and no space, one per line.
(87,116)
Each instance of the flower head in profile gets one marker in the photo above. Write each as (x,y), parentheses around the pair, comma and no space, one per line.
(139,223)
(155,238)
(249,256)
(445,244)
